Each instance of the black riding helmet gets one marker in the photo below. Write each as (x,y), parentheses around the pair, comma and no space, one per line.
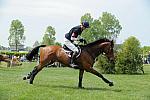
(85,24)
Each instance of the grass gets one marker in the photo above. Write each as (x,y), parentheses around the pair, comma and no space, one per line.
(61,84)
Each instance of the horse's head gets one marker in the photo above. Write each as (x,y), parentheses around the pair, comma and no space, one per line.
(101,46)
(107,49)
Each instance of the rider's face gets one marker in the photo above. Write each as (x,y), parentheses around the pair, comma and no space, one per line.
(83,28)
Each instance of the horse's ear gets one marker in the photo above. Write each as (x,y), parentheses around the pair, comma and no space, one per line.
(112,43)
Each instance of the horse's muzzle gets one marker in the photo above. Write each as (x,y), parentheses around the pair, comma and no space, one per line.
(112,60)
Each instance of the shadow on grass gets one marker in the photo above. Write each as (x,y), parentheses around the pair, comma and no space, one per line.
(87,88)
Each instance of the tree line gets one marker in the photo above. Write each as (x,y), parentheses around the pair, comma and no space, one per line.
(17,37)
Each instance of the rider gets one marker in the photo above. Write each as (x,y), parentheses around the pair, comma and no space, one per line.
(73,37)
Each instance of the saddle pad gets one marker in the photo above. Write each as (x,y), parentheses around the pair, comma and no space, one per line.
(69,52)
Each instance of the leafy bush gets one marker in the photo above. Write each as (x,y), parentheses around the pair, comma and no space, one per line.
(13,53)
(129,59)
(104,66)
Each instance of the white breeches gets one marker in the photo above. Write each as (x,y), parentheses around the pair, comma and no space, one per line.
(70,45)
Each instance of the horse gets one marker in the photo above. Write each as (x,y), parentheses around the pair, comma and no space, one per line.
(5,58)
(15,61)
(85,61)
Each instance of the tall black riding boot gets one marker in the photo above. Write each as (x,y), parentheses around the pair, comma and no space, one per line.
(73,57)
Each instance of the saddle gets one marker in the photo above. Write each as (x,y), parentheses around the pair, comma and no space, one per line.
(69,52)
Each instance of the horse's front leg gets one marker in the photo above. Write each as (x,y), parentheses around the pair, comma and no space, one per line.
(93,71)
(81,71)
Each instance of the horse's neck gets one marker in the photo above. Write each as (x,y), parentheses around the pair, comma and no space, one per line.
(94,51)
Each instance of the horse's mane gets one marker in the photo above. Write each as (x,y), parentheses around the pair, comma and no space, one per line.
(97,41)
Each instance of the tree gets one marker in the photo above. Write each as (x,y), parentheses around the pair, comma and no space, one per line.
(86,34)
(110,25)
(58,43)
(46,39)
(49,36)
(36,43)
(87,17)
(106,26)
(129,59)
(146,50)
(16,33)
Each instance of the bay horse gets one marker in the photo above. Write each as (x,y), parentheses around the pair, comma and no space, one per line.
(6,59)
(85,61)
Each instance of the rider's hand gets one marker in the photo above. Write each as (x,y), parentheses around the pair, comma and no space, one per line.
(81,40)
(85,42)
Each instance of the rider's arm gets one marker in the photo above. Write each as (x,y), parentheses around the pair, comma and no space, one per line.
(74,36)
(80,37)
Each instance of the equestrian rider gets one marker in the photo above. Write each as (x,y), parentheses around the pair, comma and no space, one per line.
(73,37)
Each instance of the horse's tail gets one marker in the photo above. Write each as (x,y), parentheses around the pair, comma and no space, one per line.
(34,51)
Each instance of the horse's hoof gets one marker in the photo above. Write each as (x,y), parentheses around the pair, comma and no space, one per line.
(28,77)
(24,78)
(31,82)
(81,87)
(111,84)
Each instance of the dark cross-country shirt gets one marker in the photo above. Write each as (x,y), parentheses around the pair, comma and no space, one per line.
(74,32)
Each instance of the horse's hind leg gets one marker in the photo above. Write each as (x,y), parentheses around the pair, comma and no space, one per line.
(34,72)
(29,75)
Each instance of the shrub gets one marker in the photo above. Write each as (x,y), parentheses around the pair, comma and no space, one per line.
(129,59)
(104,66)
(10,53)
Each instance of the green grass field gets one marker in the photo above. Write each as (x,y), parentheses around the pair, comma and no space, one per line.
(61,84)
